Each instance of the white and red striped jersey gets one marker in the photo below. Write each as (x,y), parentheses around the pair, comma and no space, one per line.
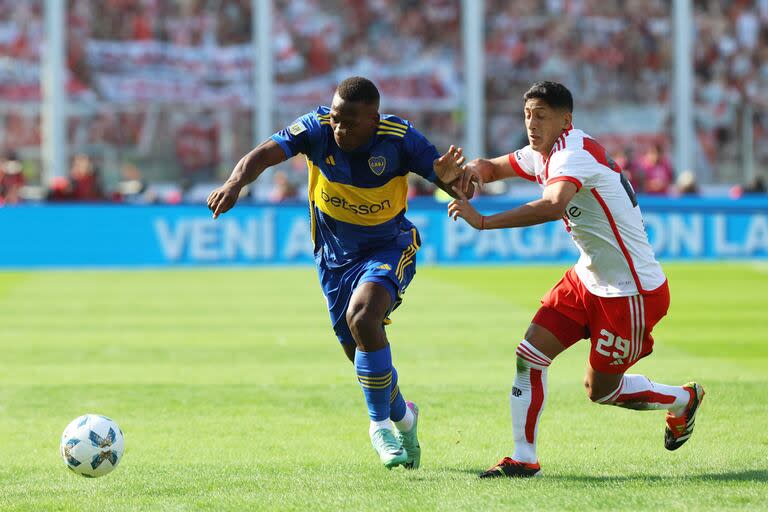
(603,218)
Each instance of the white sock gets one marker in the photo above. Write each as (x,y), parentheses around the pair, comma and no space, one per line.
(640,393)
(376,425)
(406,424)
(526,402)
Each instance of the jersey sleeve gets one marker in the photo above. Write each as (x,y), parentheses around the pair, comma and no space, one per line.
(296,137)
(522,163)
(420,154)
(576,166)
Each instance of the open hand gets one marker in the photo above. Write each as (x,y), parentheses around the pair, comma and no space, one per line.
(450,166)
(462,208)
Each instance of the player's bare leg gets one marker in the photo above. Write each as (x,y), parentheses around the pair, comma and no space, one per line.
(368,307)
(640,393)
(534,355)
(349,351)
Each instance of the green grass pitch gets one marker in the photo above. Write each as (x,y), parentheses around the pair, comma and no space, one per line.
(233,394)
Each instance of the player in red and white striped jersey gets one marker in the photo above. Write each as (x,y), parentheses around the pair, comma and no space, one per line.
(614,295)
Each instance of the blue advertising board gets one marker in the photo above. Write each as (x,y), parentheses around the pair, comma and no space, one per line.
(125,235)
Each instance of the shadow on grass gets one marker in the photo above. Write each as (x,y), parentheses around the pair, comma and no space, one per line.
(747,475)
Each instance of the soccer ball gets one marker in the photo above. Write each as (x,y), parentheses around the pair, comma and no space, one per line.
(92,445)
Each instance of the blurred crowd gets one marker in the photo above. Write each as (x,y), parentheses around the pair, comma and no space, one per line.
(613,54)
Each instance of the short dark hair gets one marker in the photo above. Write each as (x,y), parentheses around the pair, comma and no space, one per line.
(358,88)
(554,94)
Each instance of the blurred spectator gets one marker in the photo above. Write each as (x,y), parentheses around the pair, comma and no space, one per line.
(85,180)
(656,171)
(625,159)
(131,188)
(197,148)
(60,189)
(282,188)
(686,183)
(756,186)
(11,179)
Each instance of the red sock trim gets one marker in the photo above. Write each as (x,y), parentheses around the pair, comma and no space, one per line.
(525,353)
(537,398)
(649,397)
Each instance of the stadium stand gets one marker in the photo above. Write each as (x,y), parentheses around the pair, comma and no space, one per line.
(615,55)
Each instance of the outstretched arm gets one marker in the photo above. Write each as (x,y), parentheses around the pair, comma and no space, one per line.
(550,207)
(469,190)
(481,171)
(250,167)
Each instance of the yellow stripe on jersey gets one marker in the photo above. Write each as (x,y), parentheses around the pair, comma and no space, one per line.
(356,205)
(388,132)
(313,173)
(392,125)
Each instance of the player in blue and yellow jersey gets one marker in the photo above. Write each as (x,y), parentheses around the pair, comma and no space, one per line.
(365,248)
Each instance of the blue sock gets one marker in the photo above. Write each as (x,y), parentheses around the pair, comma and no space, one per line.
(374,371)
(396,400)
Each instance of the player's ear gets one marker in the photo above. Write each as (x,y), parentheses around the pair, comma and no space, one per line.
(567,120)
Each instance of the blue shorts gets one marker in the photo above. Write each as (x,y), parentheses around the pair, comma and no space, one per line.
(392,267)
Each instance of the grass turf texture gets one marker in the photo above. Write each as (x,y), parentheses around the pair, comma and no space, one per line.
(233,394)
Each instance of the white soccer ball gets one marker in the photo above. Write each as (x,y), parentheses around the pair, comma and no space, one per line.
(92,445)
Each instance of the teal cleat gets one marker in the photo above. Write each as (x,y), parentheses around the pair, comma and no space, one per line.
(409,440)
(390,450)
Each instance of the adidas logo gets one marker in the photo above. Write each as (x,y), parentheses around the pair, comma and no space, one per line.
(616,362)
(385,267)
(329,160)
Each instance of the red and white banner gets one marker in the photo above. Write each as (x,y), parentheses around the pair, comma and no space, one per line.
(166,73)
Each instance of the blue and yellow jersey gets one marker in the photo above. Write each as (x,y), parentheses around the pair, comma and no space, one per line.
(358,199)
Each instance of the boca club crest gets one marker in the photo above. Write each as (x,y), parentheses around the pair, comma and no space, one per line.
(377,164)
